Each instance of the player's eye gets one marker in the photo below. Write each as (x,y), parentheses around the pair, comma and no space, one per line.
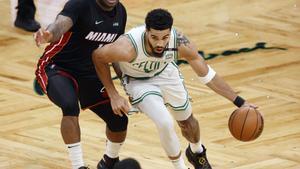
(154,38)
(166,37)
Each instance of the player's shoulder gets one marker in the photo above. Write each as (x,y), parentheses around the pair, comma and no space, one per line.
(121,10)
(121,47)
(125,44)
(123,41)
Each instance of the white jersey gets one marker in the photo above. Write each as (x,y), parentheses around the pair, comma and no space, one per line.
(151,77)
(144,65)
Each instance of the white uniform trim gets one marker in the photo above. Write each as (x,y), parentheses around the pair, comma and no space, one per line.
(209,76)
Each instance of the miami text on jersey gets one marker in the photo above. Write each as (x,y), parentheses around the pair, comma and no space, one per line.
(101,36)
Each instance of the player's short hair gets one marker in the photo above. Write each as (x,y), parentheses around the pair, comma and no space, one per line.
(159,19)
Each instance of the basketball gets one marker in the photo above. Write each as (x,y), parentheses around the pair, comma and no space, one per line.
(246,124)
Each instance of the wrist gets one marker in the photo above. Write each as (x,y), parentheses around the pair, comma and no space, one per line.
(112,94)
(239,101)
(50,37)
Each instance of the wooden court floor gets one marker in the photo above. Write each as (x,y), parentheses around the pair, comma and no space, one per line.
(29,124)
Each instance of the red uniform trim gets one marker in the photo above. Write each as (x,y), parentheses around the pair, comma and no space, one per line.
(50,51)
(96,104)
(67,75)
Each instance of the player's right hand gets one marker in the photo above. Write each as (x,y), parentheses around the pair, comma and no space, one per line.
(246,104)
(120,105)
(42,36)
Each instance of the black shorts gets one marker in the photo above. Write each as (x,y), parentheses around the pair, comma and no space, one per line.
(90,91)
(64,89)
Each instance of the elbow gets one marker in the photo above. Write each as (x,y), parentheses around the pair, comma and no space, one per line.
(98,56)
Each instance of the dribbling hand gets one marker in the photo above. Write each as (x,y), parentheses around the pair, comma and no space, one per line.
(246,104)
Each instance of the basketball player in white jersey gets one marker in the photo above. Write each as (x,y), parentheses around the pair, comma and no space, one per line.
(146,57)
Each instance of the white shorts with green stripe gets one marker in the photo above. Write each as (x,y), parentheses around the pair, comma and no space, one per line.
(168,84)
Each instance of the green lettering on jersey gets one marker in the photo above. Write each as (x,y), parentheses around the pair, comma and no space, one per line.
(148,66)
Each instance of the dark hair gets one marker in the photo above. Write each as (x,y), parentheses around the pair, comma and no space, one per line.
(159,19)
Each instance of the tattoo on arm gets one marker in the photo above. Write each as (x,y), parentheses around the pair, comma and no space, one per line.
(182,40)
(61,25)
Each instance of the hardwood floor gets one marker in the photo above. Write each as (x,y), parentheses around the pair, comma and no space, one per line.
(30,124)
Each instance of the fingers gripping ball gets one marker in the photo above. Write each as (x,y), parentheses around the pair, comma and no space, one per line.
(246,124)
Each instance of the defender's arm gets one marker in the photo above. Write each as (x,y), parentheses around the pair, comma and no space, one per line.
(54,31)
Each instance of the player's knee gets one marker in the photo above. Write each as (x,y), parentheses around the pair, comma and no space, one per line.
(165,125)
(189,124)
(118,124)
(70,108)
(114,122)
(181,115)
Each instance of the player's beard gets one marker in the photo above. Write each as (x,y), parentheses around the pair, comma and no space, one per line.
(108,4)
(154,49)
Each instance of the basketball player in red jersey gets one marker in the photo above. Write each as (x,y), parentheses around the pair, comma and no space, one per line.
(65,72)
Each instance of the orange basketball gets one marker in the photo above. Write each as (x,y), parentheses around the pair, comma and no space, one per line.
(246,124)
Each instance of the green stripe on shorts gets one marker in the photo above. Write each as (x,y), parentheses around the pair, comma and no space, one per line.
(180,108)
(135,101)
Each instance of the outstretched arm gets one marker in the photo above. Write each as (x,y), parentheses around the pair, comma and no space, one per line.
(206,74)
(63,22)
(120,50)
(54,31)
